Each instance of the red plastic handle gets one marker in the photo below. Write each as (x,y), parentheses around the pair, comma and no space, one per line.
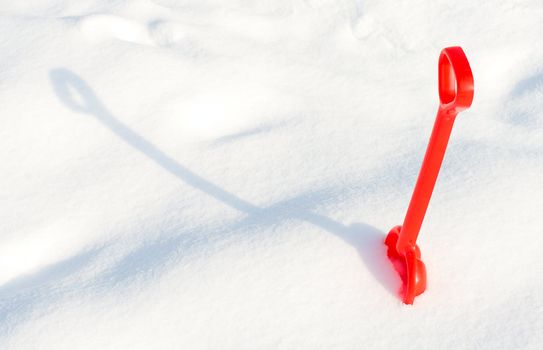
(455,95)
(455,80)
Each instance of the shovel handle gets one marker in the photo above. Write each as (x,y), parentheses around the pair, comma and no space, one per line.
(455,82)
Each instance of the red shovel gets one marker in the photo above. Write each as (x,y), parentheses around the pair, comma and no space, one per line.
(455,95)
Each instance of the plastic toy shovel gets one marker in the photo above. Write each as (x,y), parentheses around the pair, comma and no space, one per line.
(455,95)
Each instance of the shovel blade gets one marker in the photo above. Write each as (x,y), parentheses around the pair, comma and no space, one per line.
(408,265)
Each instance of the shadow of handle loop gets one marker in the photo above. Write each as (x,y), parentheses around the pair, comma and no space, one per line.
(75,93)
(455,80)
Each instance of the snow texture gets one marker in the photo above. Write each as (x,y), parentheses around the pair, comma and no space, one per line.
(211,174)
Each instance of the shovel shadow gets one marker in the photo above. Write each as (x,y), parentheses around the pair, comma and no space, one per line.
(367,240)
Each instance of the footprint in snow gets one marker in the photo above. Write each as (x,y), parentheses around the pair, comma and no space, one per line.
(106,27)
(167,33)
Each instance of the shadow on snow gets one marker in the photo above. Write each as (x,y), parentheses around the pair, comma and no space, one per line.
(80,98)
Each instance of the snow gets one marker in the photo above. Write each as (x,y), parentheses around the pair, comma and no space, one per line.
(206,174)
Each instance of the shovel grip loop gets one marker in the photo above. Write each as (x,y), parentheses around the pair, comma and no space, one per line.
(455,80)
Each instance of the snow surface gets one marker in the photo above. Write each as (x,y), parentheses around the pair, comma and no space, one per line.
(207,174)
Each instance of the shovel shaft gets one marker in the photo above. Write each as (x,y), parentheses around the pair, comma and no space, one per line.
(427,179)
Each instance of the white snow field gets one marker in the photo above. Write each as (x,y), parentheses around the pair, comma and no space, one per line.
(221,174)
